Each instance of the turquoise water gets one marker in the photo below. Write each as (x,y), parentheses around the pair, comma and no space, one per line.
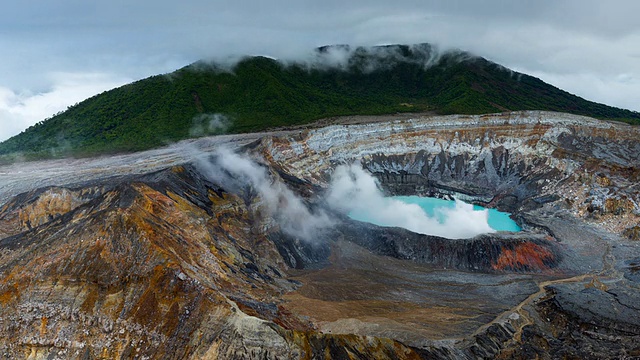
(498,220)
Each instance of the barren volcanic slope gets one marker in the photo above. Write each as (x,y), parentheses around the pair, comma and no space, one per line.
(194,251)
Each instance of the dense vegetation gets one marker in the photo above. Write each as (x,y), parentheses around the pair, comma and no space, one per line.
(259,93)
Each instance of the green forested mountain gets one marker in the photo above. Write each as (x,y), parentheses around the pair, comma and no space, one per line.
(258,93)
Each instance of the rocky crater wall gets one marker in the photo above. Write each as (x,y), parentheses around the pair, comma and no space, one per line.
(514,161)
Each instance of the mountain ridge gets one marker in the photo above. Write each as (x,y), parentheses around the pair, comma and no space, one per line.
(259,93)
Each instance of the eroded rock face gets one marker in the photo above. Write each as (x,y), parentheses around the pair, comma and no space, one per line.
(163,262)
(39,207)
(490,252)
(116,276)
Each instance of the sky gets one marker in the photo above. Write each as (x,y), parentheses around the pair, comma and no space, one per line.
(58,53)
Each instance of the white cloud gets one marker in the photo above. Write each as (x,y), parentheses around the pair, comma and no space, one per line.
(19,110)
(616,90)
(206,124)
(351,190)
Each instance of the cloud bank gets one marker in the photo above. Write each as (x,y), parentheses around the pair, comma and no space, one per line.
(369,59)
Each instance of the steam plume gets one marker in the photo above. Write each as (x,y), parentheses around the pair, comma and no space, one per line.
(235,172)
(352,191)
(356,192)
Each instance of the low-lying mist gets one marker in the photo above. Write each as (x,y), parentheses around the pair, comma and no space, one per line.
(351,190)
(208,124)
(365,59)
(369,59)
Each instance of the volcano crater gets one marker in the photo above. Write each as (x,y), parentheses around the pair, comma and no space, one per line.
(167,252)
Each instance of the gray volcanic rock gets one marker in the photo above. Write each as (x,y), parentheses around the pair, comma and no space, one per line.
(489,252)
(588,321)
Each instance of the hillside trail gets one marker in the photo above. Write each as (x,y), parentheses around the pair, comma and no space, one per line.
(524,315)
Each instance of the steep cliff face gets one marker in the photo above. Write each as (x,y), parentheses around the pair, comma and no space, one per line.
(153,257)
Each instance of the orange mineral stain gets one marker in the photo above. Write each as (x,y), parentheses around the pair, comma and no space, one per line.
(527,255)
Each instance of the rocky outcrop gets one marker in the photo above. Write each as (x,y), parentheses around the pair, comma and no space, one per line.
(633,232)
(587,320)
(489,252)
(39,207)
(138,271)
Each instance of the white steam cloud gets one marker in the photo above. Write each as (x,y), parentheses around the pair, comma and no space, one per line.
(206,124)
(234,172)
(352,190)
(355,191)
